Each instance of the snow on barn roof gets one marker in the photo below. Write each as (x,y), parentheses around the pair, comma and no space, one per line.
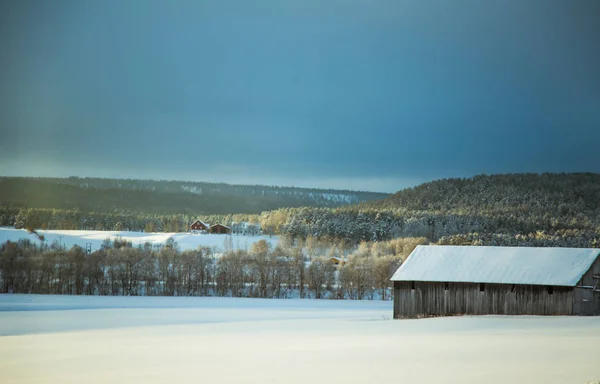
(219,225)
(501,265)
(201,222)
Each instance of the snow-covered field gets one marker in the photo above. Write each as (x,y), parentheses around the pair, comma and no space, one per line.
(65,339)
(95,238)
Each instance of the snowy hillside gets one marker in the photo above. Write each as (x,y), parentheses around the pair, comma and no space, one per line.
(70,339)
(186,241)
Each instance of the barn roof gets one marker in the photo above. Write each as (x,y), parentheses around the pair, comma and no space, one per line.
(219,225)
(201,222)
(502,265)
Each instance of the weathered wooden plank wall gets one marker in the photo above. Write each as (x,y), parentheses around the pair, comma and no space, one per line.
(587,301)
(432,298)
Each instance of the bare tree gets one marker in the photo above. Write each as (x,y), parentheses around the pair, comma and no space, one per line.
(262,264)
(321,275)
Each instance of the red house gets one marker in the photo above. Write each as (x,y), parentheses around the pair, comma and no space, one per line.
(199,226)
(219,228)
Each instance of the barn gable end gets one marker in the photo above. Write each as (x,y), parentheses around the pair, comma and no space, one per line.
(587,292)
(219,229)
(199,226)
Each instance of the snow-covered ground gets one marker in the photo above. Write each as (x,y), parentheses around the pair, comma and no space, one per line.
(58,339)
(95,238)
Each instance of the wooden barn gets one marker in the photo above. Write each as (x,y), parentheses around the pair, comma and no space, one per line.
(219,229)
(199,226)
(455,280)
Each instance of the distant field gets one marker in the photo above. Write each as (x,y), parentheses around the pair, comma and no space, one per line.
(95,238)
(76,339)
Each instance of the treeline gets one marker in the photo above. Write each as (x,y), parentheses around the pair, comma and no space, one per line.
(557,194)
(564,238)
(373,225)
(323,197)
(39,218)
(165,197)
(558,209)
(118,268)
(352,226)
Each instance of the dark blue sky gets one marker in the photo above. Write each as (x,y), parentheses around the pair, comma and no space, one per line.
(371,95)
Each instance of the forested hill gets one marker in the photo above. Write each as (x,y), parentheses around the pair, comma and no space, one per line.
(166,197)
(558,194)
(512,209)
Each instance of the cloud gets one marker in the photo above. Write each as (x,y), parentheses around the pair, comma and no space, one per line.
(348,93)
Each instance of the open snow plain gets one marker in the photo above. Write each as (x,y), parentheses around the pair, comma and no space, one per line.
(185,241)
(79,339)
